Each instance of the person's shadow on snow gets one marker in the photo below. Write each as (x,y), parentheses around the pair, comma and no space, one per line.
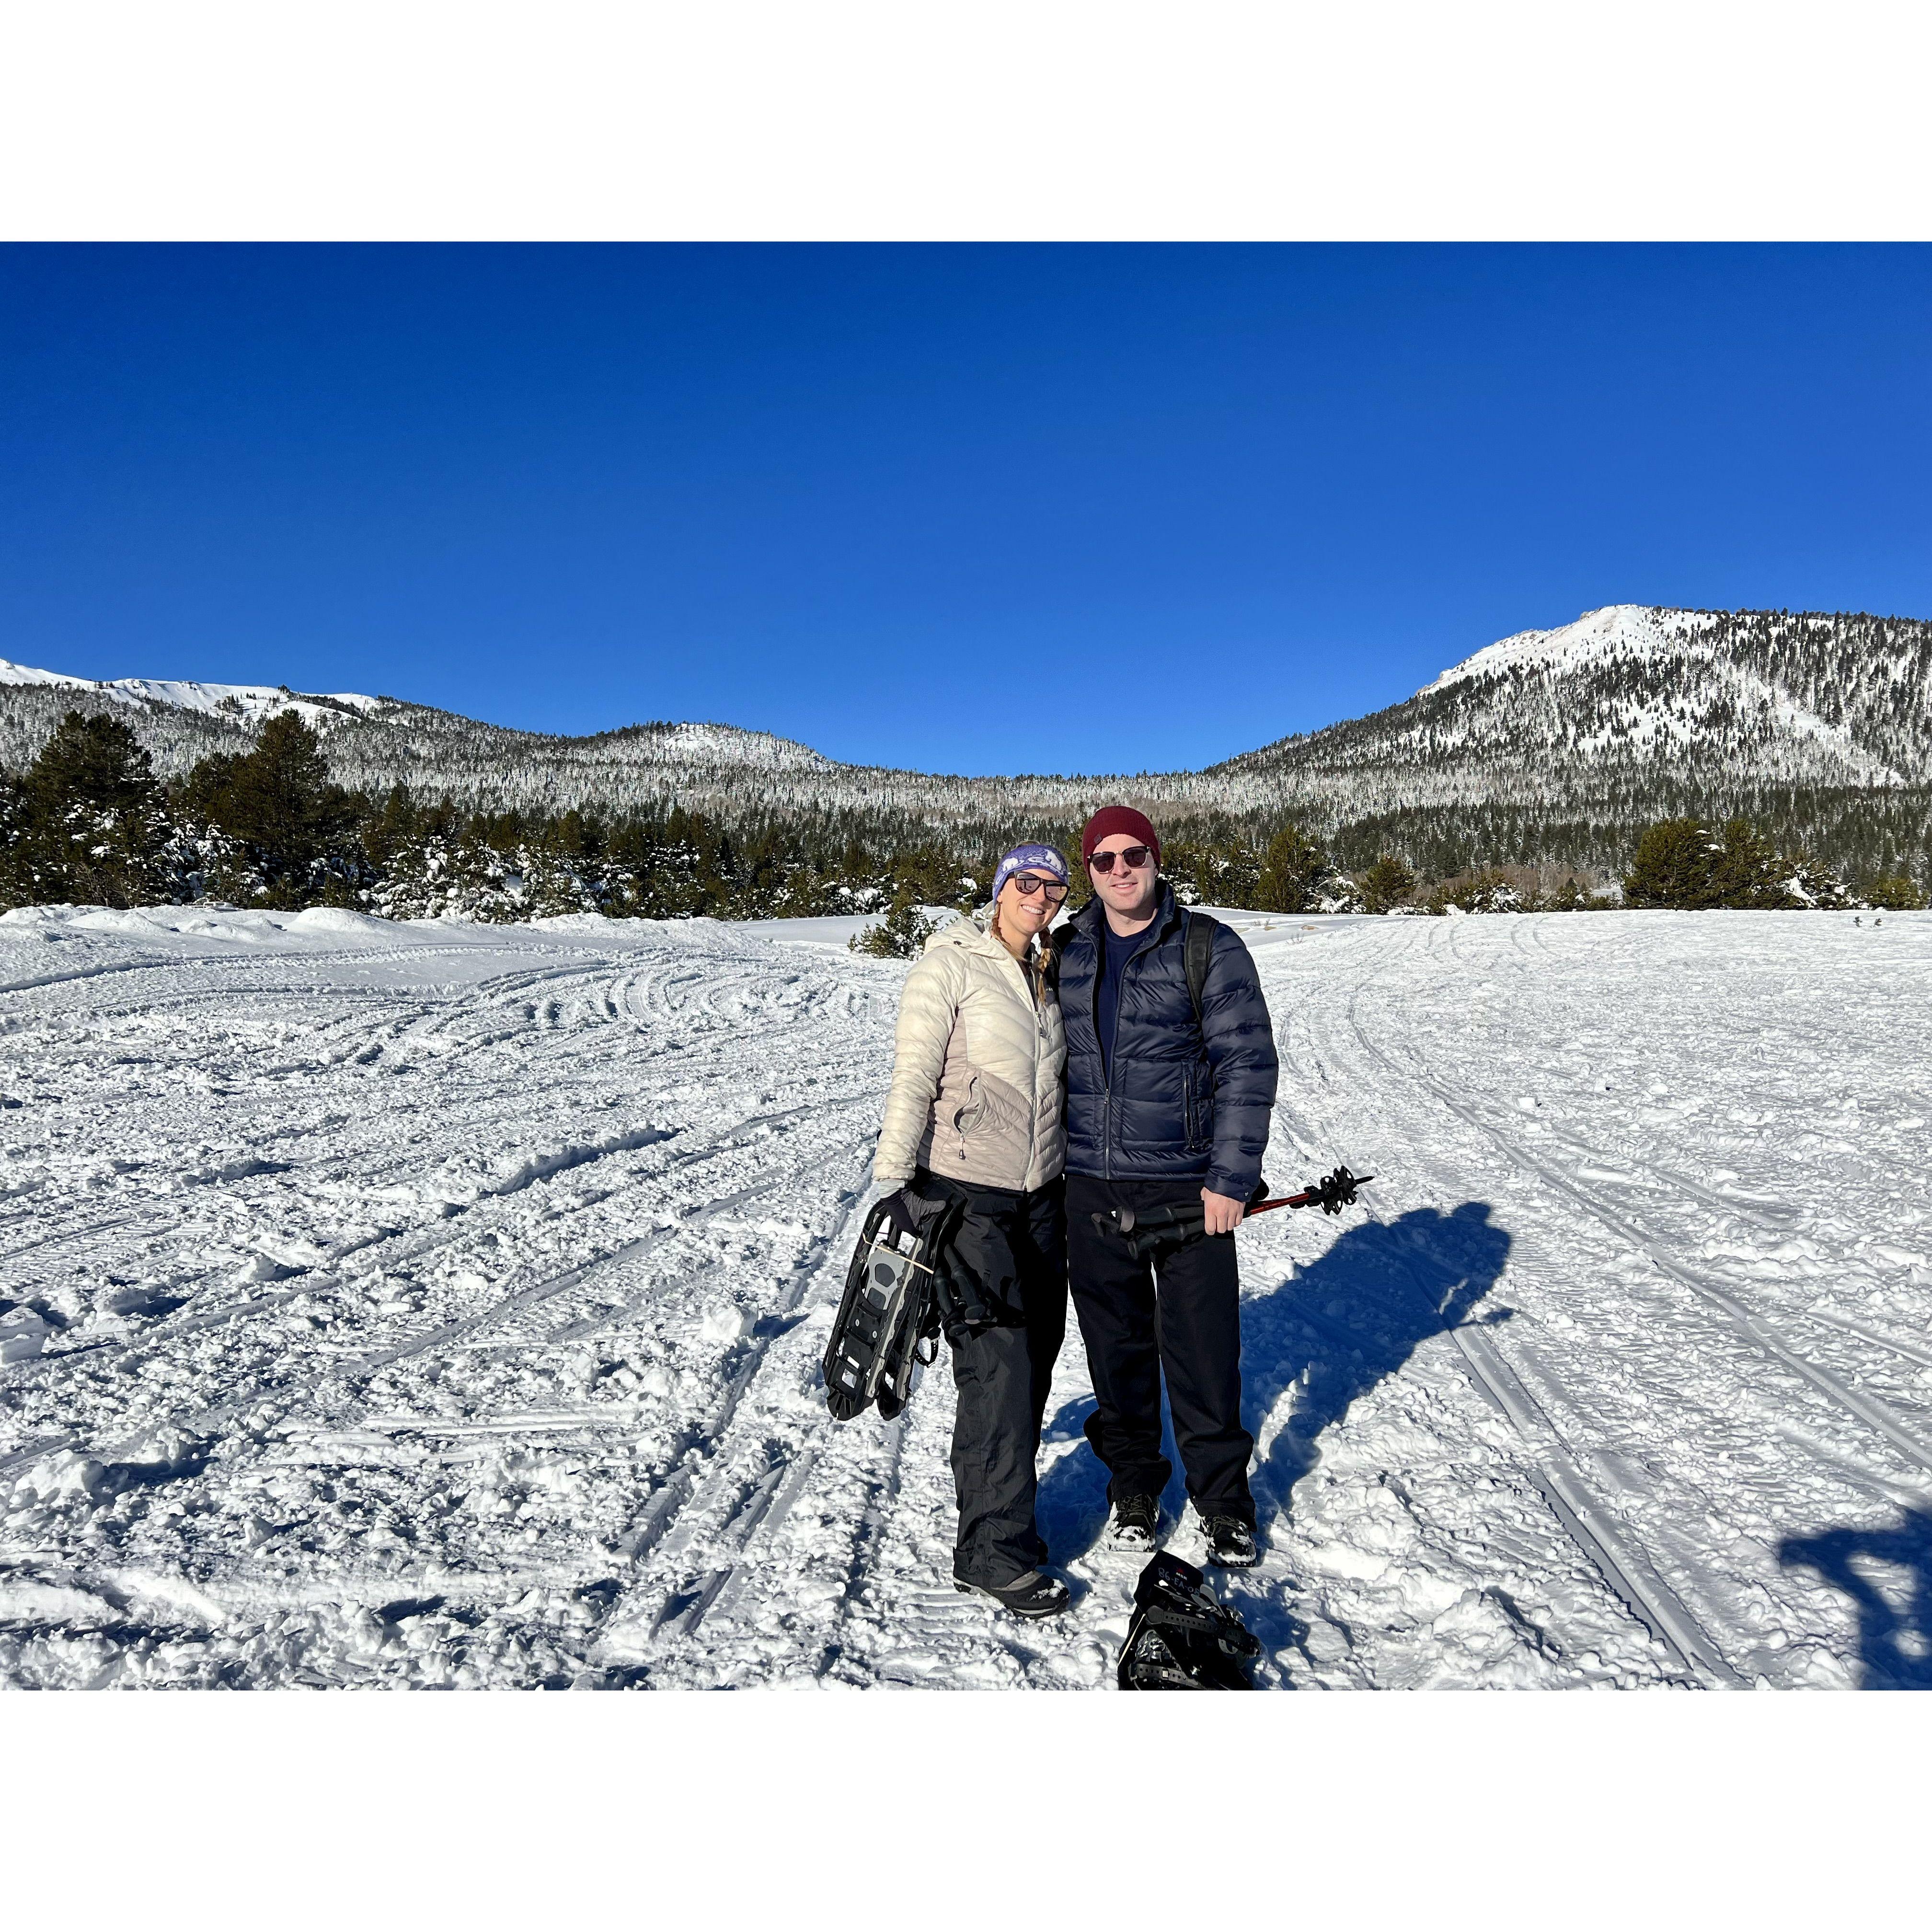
(1894,1642)
(1337,1328)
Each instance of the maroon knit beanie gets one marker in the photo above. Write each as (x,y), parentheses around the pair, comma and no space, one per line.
(1112,818)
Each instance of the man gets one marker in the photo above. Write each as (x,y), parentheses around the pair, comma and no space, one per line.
(1165,1111)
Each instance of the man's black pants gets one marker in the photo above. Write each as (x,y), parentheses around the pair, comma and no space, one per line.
(1179,1315)
(1012,1246)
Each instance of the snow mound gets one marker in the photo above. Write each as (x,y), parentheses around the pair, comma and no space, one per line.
(339,919)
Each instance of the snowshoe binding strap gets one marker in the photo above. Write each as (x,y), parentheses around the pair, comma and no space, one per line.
(1182,1637)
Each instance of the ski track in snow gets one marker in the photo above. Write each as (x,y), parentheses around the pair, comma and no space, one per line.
(442,1305)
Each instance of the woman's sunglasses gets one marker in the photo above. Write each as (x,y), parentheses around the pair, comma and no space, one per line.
(1030,883)
(1133,858)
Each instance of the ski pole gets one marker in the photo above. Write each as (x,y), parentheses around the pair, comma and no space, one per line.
(1331,1194)
(1143,1232)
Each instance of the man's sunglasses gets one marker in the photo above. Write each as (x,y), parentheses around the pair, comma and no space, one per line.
(1133,858)
(1030,883)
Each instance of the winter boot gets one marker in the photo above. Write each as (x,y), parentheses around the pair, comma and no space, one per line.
(1034,1595)
(1136,1527)
(1231,1542)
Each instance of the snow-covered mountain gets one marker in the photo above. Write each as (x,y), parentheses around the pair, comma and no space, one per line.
(375,742)
(247,703)
(1631,698)
(1549,745)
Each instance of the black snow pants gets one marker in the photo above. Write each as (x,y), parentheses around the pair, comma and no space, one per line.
(1012,1246)
(1178,1314)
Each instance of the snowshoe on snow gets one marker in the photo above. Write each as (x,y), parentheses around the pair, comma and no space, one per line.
(1181,1637)
(887,1326)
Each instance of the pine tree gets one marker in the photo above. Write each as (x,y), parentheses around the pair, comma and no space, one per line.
(1746,874)
(278,801)
(1294,872)
(89,822)
(15,846)
(1673,866)
(1896,892)
(900,934)
(1810,882)
(1385,885)
(1684,863)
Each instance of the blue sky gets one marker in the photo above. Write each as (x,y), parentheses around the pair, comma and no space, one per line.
(965,508)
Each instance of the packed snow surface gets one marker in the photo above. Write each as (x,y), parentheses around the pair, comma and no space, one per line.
(421,1304)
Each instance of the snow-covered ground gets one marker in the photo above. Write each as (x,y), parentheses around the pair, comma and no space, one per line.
(426,1304)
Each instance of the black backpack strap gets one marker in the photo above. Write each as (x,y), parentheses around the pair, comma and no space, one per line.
(1197,949)
(1055,942)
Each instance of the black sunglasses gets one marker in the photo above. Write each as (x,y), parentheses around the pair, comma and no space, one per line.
(1030,883)
(1133,858)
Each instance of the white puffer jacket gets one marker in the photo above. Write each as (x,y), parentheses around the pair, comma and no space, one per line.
(976,1091)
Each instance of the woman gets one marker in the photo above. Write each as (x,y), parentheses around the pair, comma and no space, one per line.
(974,1115)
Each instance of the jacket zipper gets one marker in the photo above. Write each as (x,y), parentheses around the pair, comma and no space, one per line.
(1034,992)
(1107,1059)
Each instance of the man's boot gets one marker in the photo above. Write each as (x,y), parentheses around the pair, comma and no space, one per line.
(1231,1542)
(1135,1527)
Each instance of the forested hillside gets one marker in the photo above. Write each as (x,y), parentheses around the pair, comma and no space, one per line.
(1549,751)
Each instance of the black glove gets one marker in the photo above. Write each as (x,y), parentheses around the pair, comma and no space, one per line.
(905,1213)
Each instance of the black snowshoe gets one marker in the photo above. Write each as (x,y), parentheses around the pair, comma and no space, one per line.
(1181,1637)
(888,1325)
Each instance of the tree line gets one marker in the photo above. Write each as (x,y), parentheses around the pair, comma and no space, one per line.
(90,822)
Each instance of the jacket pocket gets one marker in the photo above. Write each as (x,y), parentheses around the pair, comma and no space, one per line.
(1199,1107)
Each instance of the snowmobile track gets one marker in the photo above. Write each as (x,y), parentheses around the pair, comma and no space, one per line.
(1610,1548)
(1868,1409)
(703,1486)
(284,1151)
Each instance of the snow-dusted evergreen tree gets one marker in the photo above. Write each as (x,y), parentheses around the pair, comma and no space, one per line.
(900,934)
(1811,884)
(438,877)
(1895,893)
(1673,866)
(1684,863)
(1487,890)
(1294,874)
(1385,885)
(88,823)
(291,826)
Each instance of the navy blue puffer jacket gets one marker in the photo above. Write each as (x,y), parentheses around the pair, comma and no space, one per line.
(1183,1101)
